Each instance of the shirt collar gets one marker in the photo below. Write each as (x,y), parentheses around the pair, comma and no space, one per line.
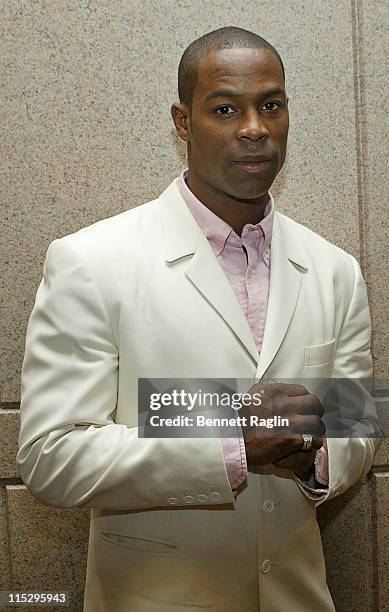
(218,231)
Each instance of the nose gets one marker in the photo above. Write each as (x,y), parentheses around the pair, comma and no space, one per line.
(253,126)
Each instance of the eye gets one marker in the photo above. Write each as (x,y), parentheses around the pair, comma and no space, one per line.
(223,107)
(271,109)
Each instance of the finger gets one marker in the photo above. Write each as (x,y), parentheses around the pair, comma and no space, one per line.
(296,455)
(307,424)
(292,445)
(288,445)
(283,446)
(297,462)
(291,390)
(308,404)
(317,442)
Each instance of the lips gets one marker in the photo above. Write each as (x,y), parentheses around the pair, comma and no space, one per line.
(253,164)
(252,159)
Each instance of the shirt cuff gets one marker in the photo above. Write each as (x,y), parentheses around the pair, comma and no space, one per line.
(317,480)
(235,458)
(321,464)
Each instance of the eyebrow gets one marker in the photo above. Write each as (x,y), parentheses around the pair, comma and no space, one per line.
(224,93)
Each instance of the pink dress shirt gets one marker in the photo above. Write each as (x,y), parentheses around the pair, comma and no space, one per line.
(245,260)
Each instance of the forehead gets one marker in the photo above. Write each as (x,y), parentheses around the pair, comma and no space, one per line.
(241,68)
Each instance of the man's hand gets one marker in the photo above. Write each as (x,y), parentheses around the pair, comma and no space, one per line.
(299,462)
(282,445)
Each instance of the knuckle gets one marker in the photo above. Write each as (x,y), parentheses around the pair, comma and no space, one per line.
(316,400)
(301,388)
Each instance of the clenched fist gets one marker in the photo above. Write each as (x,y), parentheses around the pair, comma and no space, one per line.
(282,445)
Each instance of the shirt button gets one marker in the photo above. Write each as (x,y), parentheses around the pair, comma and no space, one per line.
(215,496)
(265,567)
(202,498)
(243,280)
(268,506)
(188,499)
(172,500)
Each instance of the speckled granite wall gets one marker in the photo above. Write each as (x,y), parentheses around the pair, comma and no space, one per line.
(373,173)
(87,132)
(37,564)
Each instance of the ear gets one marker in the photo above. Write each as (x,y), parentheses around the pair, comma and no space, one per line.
(181,118)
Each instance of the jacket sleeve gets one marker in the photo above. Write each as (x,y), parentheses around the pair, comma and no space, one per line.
(72,453)
(351,457)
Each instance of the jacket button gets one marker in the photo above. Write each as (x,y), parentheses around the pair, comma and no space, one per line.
(215,496)
(268,506)
(265,567)
(188,499)
(172,500)
(202,498)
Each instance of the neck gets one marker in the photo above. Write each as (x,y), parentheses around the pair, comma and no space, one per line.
(236,212)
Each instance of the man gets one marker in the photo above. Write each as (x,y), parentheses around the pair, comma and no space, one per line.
(207,281)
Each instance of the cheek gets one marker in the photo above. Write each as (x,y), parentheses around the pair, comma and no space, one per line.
(210,145)
(280,140)
(284,132)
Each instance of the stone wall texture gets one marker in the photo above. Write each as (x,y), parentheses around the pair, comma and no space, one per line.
(86,131)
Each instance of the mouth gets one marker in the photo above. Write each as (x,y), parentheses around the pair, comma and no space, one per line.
(253,165)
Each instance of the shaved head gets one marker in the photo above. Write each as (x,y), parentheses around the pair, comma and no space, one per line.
(224,38)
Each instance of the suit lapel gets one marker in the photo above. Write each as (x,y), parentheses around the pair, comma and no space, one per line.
(287,267)
(206,274)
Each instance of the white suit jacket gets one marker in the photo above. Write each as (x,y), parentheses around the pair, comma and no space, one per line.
(142,295)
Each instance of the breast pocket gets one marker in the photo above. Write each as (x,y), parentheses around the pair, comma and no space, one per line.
(319,354)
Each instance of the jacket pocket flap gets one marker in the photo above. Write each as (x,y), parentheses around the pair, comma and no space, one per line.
(142,544)
(319,353)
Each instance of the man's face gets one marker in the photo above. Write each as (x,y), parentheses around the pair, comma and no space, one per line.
(249,119)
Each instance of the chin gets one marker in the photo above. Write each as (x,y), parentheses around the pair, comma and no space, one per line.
(251,192)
